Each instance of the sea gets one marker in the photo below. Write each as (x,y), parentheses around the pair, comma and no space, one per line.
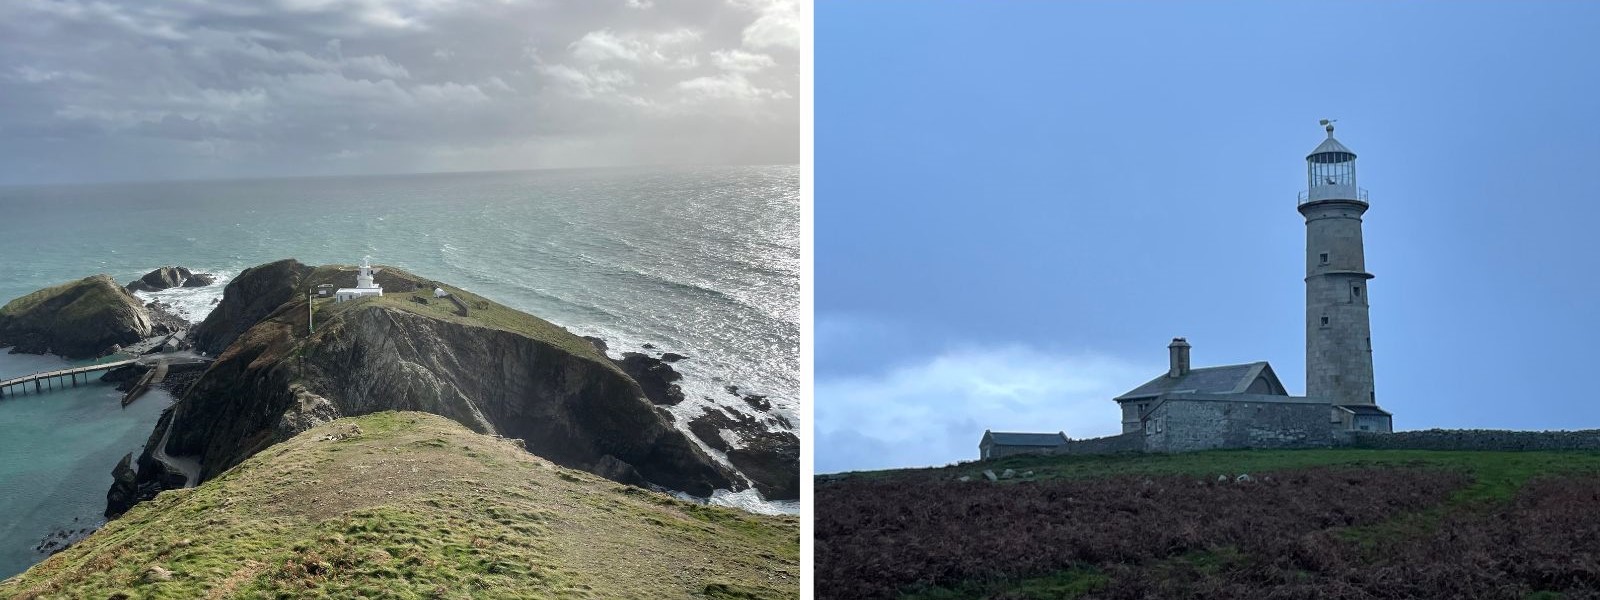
(701,261)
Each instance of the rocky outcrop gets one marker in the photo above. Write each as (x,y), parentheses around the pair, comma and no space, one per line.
(159,279)
(771,459)
(498,372)
(81,319)
(655,376)
(199,280)
(250,297)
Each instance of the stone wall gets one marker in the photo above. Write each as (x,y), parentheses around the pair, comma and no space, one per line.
(1195,422)
(1127,442)
(1472,439)
(1003,450)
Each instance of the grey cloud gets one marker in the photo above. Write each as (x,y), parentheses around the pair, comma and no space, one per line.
(94,90)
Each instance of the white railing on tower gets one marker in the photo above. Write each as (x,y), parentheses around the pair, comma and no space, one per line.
(1332,192)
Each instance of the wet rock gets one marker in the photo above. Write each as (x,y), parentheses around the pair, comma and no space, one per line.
(160,279)
(124,491)
(771,459)
(657,378)
(199,280)
(758,402)
(672,357)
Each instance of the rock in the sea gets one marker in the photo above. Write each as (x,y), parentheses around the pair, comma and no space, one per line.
(199,280)
(160,279)
(672,357)
(124,491)
(655,376)
(75,320)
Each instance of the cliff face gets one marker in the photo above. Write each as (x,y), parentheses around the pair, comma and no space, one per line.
(496,371)
(81,319)
(251,296)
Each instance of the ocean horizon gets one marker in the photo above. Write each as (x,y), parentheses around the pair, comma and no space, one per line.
(700,261)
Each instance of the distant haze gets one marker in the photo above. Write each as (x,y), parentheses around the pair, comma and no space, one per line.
(102,91)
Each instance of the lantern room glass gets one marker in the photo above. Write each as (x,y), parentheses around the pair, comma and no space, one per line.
(1332,169)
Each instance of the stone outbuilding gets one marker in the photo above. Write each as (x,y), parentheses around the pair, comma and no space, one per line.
(1231,406)
(996,444)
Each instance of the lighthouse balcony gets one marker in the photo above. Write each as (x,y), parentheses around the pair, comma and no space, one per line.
(1333,192)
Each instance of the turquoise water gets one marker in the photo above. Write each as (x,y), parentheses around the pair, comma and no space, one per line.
(700,261)
(57,450)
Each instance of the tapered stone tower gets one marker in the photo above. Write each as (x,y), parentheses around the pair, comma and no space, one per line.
(1338,333)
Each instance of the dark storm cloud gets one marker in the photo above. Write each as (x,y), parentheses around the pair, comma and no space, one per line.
(97,90)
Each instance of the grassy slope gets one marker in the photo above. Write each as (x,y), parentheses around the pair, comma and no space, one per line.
(89,295)
(483,313)
(411,505)
(1497,476)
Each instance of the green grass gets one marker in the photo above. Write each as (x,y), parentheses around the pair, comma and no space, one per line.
(1497,475)
(483,312)
(411,505)
(84,298)
(1064,585)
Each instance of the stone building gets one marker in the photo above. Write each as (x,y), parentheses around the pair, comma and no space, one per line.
(996,444)
(1245,406)
(1231,406)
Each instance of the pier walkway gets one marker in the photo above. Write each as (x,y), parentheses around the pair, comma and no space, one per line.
(60,378)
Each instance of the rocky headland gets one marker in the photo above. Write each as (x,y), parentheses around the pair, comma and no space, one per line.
(81,319)
(496,371)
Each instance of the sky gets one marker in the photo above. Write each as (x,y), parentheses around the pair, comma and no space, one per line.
(94,90)
(1019,204)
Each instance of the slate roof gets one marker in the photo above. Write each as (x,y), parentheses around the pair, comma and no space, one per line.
(1227,379)
(1001,438)
(1364,409)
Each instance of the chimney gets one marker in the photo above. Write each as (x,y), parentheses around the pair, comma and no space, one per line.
(1179,351)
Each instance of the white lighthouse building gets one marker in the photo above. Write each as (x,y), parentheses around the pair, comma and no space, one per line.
(364,284)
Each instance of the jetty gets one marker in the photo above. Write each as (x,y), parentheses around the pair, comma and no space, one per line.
(45,381)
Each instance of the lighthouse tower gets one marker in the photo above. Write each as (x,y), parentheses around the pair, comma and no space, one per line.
(1338,332)
(365,286)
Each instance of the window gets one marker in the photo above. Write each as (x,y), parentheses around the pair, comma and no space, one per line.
(1324,321)
(1324,258)
(1158,426)
(1143,406)
(1366,428)
(1356,290)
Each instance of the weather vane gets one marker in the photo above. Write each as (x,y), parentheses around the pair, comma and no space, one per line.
(1328,124)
